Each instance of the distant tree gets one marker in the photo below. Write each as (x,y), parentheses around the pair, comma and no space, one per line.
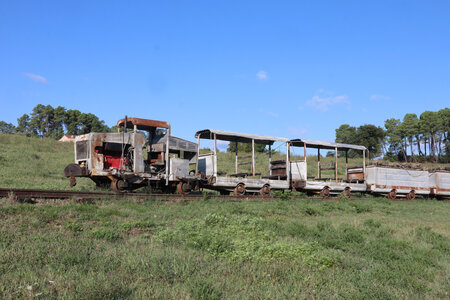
(393,136)
(7,127)
(444,129)
(37,120)
(371,137)
(367,135)
(411,129)
(429,125)
(57,125)
(91,123)
(72,121)
(23,124)
(346,134)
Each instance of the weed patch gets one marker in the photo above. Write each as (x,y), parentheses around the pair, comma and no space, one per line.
(239,238)
(105,234)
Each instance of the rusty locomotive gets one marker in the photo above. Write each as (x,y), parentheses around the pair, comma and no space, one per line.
(142,154)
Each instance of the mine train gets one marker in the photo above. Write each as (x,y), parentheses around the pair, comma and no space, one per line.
(143,153)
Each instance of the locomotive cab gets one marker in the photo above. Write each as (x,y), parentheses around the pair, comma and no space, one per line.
(129,160)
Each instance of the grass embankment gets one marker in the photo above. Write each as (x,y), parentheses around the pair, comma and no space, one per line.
(29,162)
(118,249)
(369,248)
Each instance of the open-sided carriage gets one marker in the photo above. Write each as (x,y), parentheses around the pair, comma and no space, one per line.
(354,179)
(273,177)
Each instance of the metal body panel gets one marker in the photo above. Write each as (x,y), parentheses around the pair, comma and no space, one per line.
(383,180)
(175,144)
(253,184)
(179,168)
(440,183)
(335,187)
(298,170)
(96,140)
(207,163)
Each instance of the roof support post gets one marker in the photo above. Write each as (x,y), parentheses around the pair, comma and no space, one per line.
(288,164)
(253,158)
(215,155)
(318,163)
(198,154)
(364,162)
(346,164)
(236,160)
(306,163)
(167,155)
(270,159)
(335,164)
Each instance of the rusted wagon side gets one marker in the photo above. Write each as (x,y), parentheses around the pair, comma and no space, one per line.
(396,181)
(439,182)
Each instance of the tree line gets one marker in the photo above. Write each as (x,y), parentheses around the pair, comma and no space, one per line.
(46,121)
(415,138)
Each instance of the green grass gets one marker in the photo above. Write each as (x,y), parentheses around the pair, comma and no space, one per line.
(288,248)
(29,162)
(119,249)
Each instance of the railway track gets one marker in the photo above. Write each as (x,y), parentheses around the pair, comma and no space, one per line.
(36,194)
(33,195)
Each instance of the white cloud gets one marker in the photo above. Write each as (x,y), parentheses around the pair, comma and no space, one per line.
(379,97)
(262,75)
(37,78)
(297,132)
(324,100)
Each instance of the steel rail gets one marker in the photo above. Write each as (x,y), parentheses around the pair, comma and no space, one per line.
(36,194)
(23,194)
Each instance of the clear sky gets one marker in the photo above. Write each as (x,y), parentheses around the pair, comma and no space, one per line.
(280,68)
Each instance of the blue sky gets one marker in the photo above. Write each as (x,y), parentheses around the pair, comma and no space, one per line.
(278,68)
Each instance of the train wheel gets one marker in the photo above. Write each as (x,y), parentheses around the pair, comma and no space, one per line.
(347,192)
(73,181)
(325,192)
(392,194)
(265,190)
(411,195)
(183,188)
(118,185)
(239,189)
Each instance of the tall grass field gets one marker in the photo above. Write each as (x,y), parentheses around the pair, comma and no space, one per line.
(292,248)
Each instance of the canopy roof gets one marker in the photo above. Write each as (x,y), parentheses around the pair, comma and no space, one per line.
(143,124)
(238,137)
(325,145)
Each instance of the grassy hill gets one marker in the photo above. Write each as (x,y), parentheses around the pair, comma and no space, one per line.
(29,162)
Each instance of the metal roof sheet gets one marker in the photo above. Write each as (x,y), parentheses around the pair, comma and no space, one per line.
(238,137)
(143,124)
(325,145)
